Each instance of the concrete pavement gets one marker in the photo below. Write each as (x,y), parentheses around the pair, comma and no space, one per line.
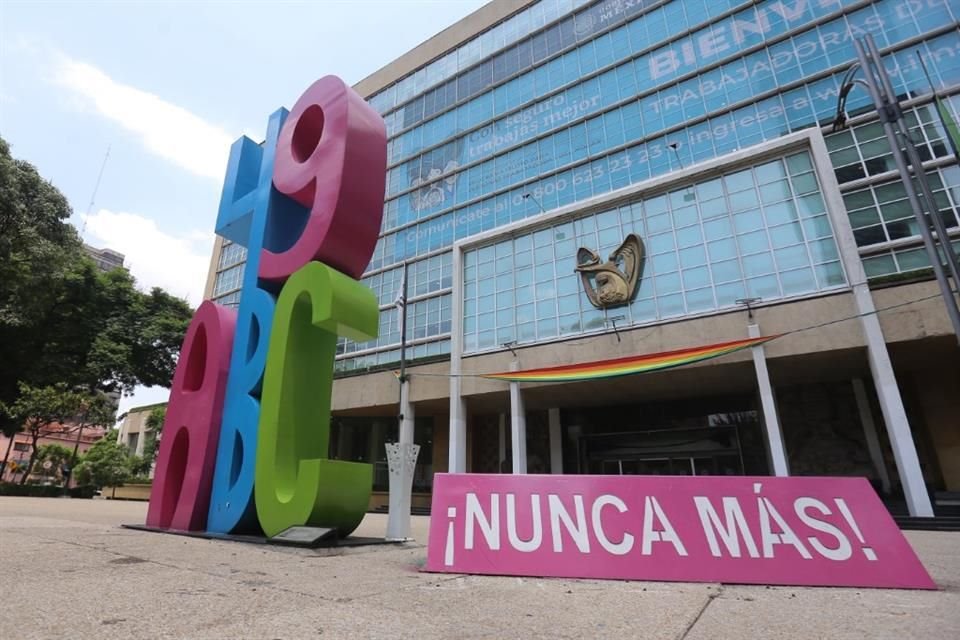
(70,570)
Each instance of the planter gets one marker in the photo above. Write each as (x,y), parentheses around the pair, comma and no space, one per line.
(128,492)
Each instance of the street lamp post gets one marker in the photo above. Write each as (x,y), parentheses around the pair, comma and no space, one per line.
(878,84)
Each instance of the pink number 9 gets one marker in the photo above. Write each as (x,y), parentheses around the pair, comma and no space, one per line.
(331,158)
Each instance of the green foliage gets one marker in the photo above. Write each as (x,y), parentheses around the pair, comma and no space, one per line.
(30,490)
(106,463)
(902,277)
(154,424)
(62,320)
(57,456)
(38,408)
(139,467)
(8,426)
(45,491)
(94,409)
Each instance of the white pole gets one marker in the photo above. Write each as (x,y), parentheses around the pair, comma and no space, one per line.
(771,421)
(457,452)
(884,381)
(402,456)
(870,433)
(556,444)
(518,425)
(401,461)
(458,433)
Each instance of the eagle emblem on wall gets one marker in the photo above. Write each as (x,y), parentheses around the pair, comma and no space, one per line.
(612,283)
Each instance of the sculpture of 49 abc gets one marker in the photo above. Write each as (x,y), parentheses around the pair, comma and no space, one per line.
(245,441)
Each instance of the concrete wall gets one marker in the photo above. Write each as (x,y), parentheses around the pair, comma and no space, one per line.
(128,492)
(924,319)
(937,391)
(135,422)
(212,268)
(913,322)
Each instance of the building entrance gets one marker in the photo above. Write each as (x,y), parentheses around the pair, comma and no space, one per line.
(677,452)
(719,435)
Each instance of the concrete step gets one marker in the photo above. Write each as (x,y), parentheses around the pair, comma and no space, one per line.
(938,523)
(416,511)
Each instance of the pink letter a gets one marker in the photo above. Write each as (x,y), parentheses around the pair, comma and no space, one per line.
(188,449)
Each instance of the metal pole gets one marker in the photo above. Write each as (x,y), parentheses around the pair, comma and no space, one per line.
(928,243)
(403,327)
(917,164)
(402,456)
(406,409)
(950,134)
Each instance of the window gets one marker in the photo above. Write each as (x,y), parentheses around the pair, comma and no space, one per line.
(760,231)
(228,280)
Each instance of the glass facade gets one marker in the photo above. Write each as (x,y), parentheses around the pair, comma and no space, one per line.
(760,231)
(231,265)
(569,99)
(357,439)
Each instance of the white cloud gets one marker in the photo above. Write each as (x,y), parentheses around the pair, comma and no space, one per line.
(178,263)
(165,129)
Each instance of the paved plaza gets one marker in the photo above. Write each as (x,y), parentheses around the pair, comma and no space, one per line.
(70,570)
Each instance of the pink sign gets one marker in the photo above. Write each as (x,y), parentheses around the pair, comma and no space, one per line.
(749,530)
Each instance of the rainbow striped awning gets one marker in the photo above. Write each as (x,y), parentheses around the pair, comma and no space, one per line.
(629,365)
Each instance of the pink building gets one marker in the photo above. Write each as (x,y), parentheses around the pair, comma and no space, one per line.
(20,446)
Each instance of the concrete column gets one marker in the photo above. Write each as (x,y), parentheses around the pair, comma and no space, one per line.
(870,433)
(894,414)
(502,449)
(556,441)
(938,391)
(518,425)
(457,459)
(457,444)
(888,393)
(771,421)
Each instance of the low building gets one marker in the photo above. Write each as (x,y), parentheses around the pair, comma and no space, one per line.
(20,447)
(133,431)
(106,259)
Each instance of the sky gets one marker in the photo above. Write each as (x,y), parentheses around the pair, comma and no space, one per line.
(166,87)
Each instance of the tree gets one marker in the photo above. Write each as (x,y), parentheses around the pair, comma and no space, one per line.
(39,408)
(10,427)
(95,409)
(63,320)
(53,459)
(105,463)
(154,425)
(139,466)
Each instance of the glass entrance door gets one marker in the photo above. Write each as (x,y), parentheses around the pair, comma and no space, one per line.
(672,466)
(674,452)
